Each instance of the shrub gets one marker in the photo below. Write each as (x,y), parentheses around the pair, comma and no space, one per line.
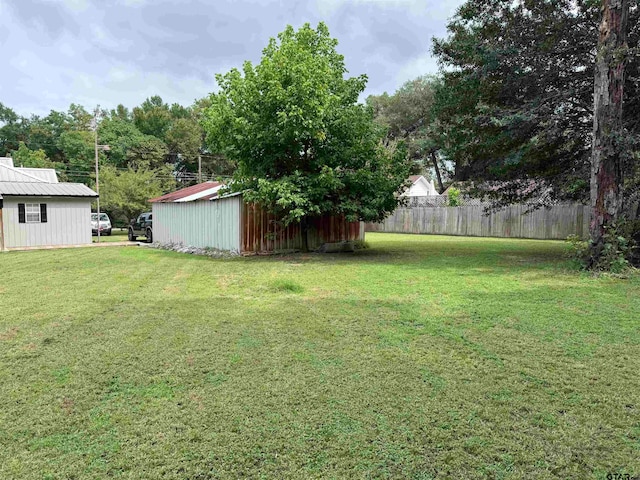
(619,250)
(360,245)
(453,197)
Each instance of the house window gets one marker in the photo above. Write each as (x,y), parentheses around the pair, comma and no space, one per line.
(33,212)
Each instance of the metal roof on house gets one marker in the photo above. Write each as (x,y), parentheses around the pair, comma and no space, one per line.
(201,191)
(11,174)
(44,189)
(45,174)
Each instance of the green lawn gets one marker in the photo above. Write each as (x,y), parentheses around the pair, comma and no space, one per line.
(117,235)
(421,357)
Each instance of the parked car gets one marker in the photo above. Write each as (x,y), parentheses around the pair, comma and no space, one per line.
(105,224)
(142,227)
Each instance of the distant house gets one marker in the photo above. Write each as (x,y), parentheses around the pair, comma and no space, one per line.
(420,187)
(198,216)
(37,210)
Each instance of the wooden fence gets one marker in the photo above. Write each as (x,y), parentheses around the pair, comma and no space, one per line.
(557,222)
(263,232)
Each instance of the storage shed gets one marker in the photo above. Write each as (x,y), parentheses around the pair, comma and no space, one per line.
(198,217)
(36,210)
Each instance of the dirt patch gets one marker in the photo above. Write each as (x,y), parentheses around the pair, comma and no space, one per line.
(180,275)
(9,334)
(67,405)
(197,399)
(171,290)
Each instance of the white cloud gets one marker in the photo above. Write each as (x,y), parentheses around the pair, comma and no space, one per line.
(416,67)
(119,74)
(123,51)
(134,3)
(77,5)
(101,35)
(328,7)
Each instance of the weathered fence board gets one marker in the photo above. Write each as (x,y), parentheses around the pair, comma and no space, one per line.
(557,222)
(263,232)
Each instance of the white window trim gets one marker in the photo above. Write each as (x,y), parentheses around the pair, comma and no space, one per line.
(35,208)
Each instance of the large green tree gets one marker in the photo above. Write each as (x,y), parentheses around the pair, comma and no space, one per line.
(153,117)
(44,133)
(24,157)
(121,135)
(126,193)
(77,146)
(12,130)
(409,116)
(304,145)
(184,140)
(516,104)
(153,134)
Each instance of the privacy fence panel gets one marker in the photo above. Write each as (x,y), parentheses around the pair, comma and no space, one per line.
(264,232)
(557,222)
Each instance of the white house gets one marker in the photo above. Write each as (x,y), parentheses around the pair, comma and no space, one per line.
(420,187)
(37,210)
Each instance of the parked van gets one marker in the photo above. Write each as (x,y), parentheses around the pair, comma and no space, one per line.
(105,224)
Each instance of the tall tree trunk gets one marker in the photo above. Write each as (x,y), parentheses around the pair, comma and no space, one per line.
(606,163)
(434,159)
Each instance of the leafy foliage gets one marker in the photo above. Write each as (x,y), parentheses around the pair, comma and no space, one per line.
(409,116)
(619,250)
(303,145)
(149,151)
(11,130)
(66,139)
(124,194)
(121,136)
(453,199)
(153,117)
(78,149)
(184,140)
(517,99)
(24,157)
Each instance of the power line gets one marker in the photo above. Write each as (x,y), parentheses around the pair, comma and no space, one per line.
(188,176)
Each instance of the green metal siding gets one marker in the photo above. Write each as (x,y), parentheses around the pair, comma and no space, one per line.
(202,224)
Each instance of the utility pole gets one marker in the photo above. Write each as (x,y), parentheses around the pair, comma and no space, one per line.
(199,168)
(96,148)
(95,137)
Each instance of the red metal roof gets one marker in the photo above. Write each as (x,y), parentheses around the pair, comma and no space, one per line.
(185,192)
(414,178)
(209,197)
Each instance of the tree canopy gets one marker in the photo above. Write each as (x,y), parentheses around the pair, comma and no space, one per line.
(516,103)
(303,144)
(409,116)
(126,193)
(137,165)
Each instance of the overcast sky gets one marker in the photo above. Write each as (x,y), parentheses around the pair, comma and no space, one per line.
(89,52)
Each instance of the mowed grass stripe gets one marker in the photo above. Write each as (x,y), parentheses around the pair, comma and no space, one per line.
(421,357)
